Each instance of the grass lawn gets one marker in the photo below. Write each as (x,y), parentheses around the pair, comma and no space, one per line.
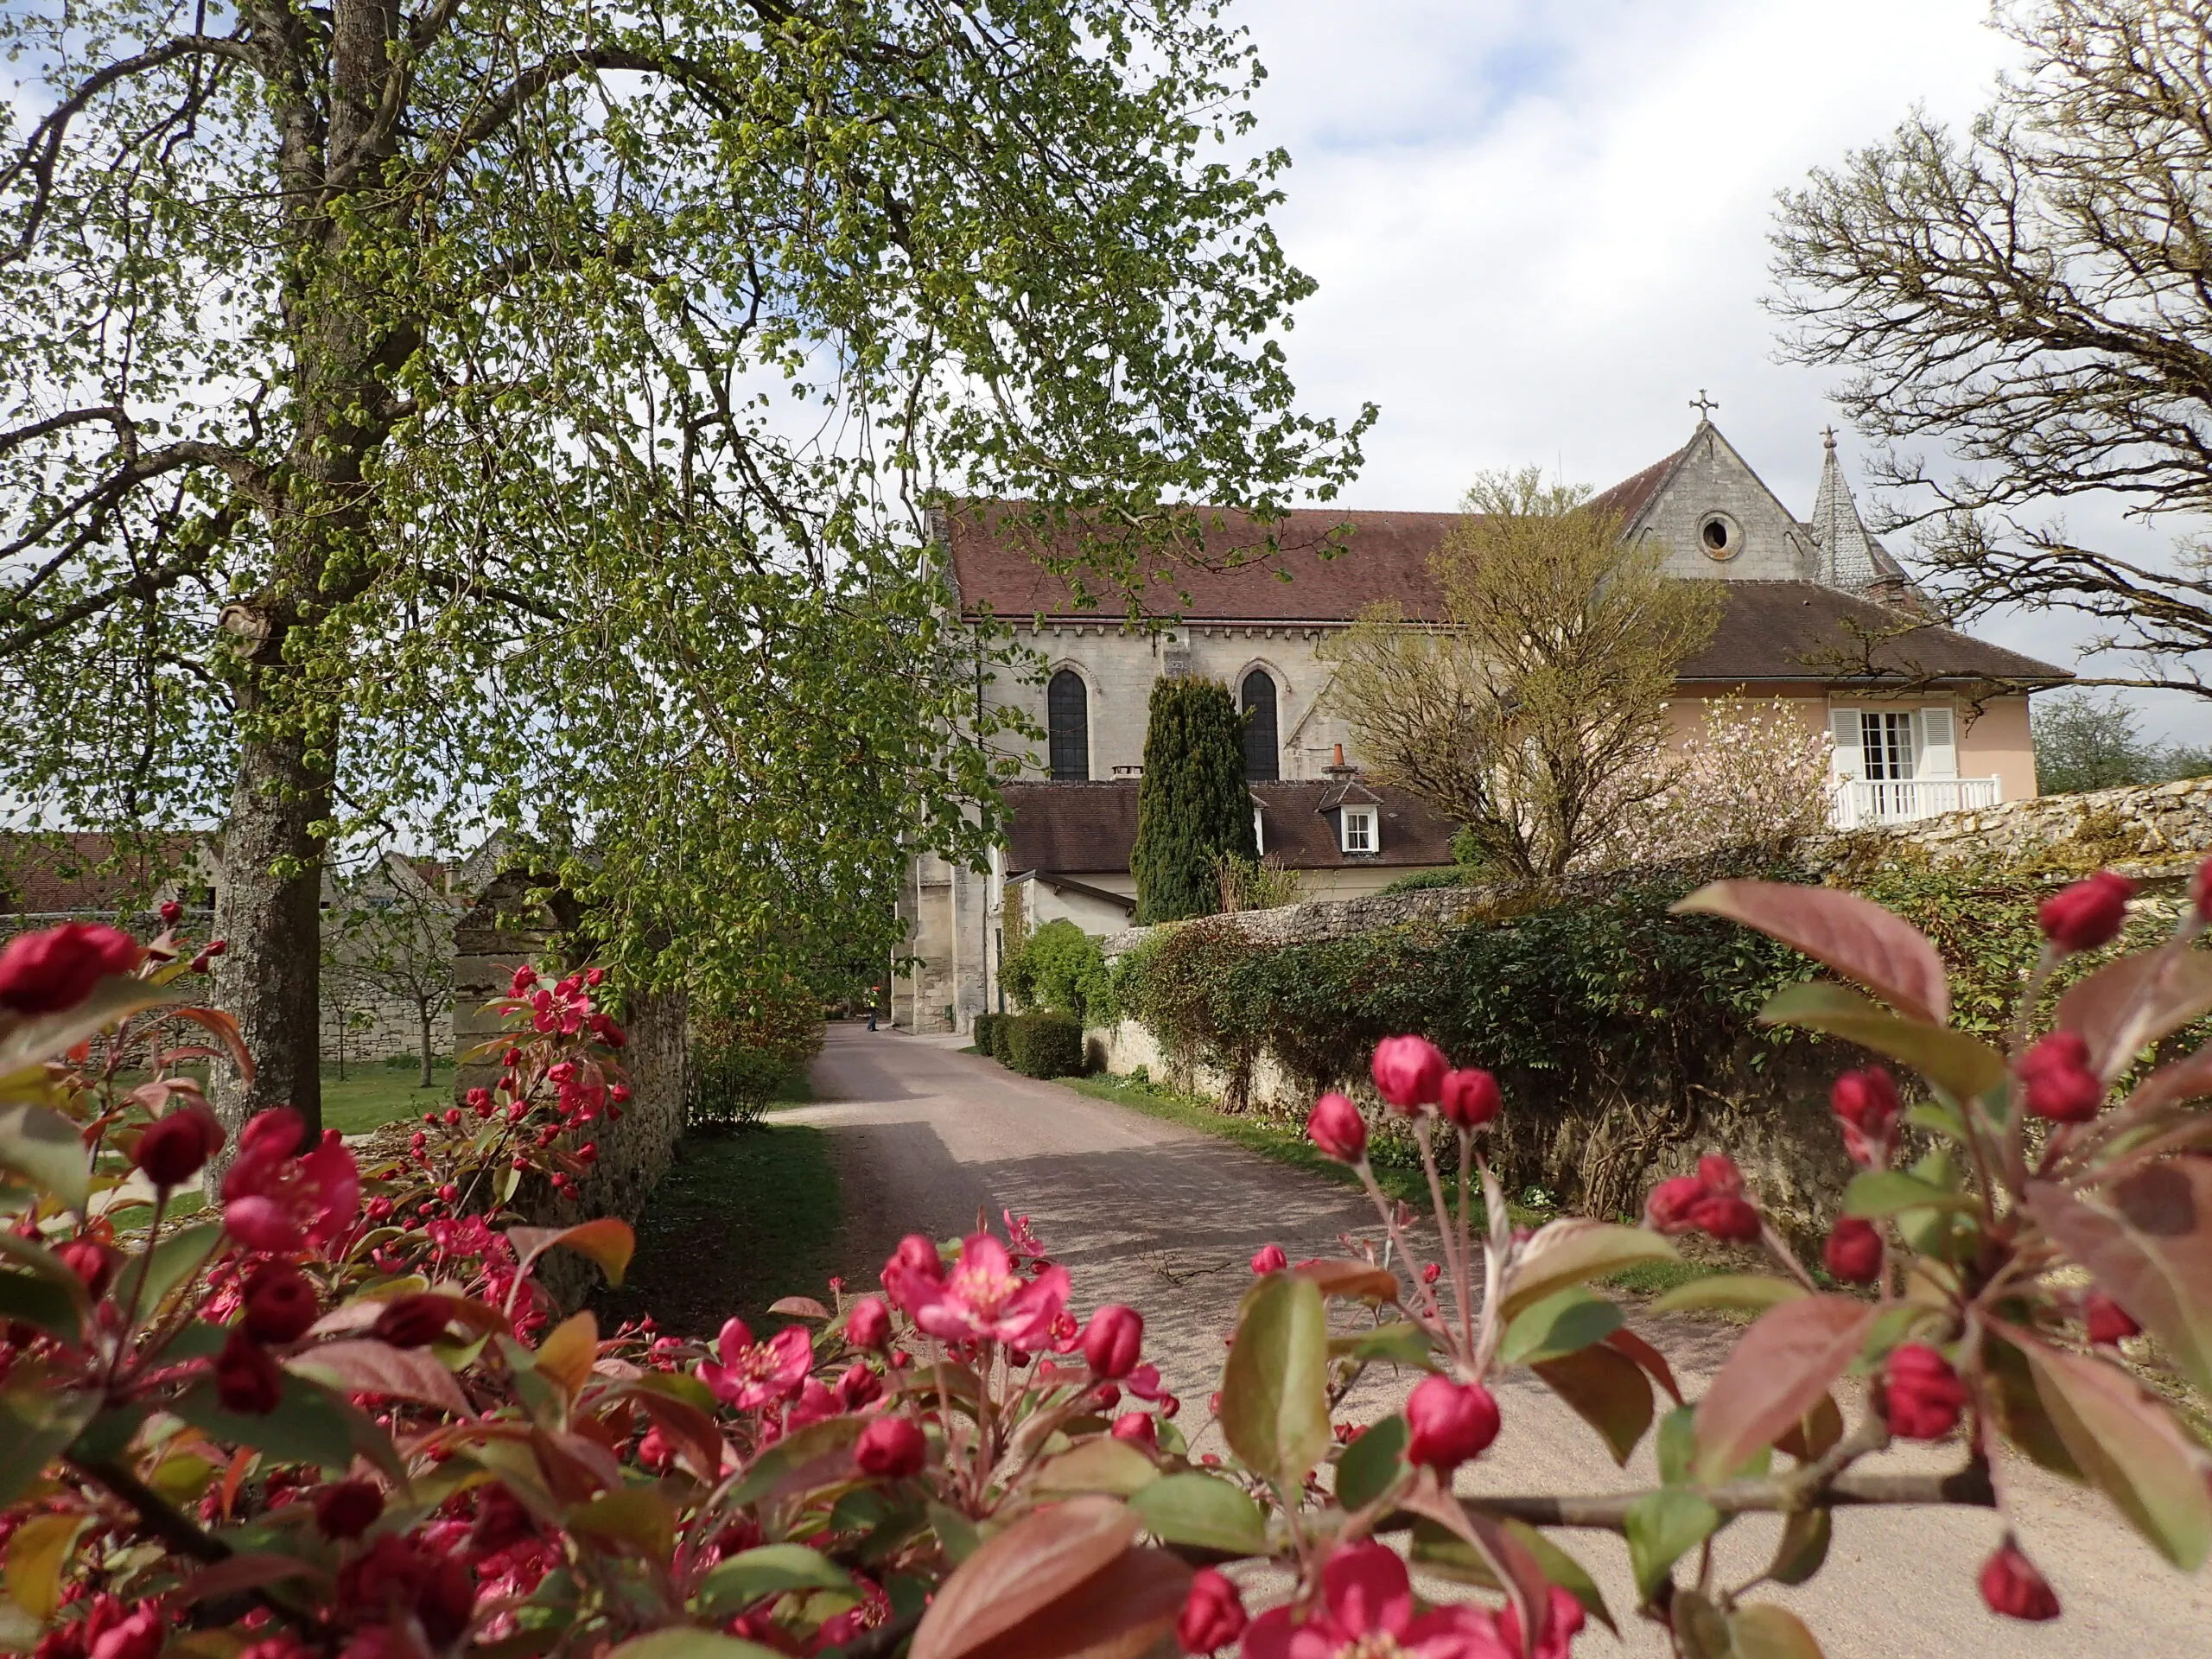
(741,1220)
(374,1094)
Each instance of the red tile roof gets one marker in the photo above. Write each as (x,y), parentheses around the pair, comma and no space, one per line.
(1305,577)
(1090,829)
(43,876)
(1631,495)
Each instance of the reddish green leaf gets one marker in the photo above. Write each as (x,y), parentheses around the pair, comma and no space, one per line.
(26,1041)
(1653,1362)
(607,1241)
(2150,995)
(2128,1447)
(637,1516)
(1660,1527)
(1608,1390)
(1104,1464)
(1203,1511)
(798,1307)
(2185,1079)
(1812,1435)
(248,1572)
(1784,1363)
(2019,1409)
(1738,1290)
(1512,1565)
(1855,936)
(2147,1242)
(366,1366)
(690,1643)
(39,1143)
(1563,1570)
(1765,1632)
(1804,1546)
(1274,1390)
(1046,1555)
(1573,1250)
(1962,1065)
(1123,1612)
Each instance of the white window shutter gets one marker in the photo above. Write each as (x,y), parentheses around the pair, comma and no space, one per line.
(1939,749)
(1844,726)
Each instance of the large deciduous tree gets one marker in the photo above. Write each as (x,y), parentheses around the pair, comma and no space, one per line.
(483,413)
(2036,294)
(1193,805)
(1534,711)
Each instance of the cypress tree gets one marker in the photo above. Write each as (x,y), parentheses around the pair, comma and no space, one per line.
(1192,802)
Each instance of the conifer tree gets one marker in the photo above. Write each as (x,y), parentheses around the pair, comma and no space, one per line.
(1192,804)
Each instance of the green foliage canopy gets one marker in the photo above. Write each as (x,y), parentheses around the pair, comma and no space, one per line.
(524,415)
(1192,802)
(1061,966)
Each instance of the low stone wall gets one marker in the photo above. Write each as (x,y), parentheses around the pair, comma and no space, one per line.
(2155,826)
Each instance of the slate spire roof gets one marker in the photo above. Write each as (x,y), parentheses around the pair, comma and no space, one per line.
(1847,552)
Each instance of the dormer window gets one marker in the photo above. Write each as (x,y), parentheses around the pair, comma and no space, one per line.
(1361,830)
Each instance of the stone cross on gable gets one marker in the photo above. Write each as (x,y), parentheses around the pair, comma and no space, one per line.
(1703,404)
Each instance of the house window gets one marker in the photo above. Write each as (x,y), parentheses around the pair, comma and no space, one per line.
(1067,717)
(1886,744)
(1359,830)
(1262,765)
(1259,832)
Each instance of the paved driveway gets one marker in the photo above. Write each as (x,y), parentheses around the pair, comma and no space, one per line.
(1150,1213)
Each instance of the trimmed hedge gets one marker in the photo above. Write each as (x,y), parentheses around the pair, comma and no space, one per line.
(987,1027)
(1044,1045)
(1002,1039)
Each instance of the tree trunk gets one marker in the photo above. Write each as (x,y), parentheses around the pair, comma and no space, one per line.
(269,911)
(422,1013)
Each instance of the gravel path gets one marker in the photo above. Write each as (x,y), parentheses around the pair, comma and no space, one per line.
(1164,1217)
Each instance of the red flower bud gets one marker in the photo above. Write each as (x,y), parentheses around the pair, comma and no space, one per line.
(1408,1073)
(2087,914)
(1431,1272)
(1269,1258)
(2055,1077)
(868,1325)
(1866,1100)
(1718,1173)
(2200,892)
(280,1303)
(1667,1210)
(92,1261)
(413,1321)
(1113,1340)
(1470,1098)
(348,1509)
(524,981)
(918,1254)
(1136,1427)
(1213,1613)
(1853,1253)
(139,1634)
(1109,1396)
(171,912)
(246,1379)
(2108,1320)
(1921,1395)
(2014,1589)
(1336,1127)
(891,1448)
(1451,1422)
(859,1386)
(46,972)
(1734,1220)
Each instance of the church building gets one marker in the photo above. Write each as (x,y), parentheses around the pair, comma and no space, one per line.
(1817,612)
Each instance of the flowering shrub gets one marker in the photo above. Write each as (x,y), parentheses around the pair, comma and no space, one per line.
(335,1413)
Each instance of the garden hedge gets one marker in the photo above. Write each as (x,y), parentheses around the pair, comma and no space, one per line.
(1044,1045)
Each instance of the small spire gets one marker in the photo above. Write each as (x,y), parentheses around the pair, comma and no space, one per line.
(1846,553)
(1827,438)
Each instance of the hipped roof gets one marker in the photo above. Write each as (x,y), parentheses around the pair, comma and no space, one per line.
(1070,829)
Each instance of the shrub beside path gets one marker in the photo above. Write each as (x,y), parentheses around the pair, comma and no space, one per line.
(1164,1217)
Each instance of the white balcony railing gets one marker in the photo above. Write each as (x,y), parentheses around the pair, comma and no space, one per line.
(1862,801)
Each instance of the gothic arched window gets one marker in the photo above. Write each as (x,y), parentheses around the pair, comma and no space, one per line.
(1067,717)
(1262,762)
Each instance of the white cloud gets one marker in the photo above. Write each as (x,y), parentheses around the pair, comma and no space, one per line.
(1541,228)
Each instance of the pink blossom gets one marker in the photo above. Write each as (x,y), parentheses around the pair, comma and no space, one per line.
(1408,1073)
(273,1201)
(755,1374)
(1269,1258)
(1367,1610)
(983,1298)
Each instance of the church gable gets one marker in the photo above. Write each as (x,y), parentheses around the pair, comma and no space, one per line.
(1716,519)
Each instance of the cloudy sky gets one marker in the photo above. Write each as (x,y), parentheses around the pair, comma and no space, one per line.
(1540,227)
